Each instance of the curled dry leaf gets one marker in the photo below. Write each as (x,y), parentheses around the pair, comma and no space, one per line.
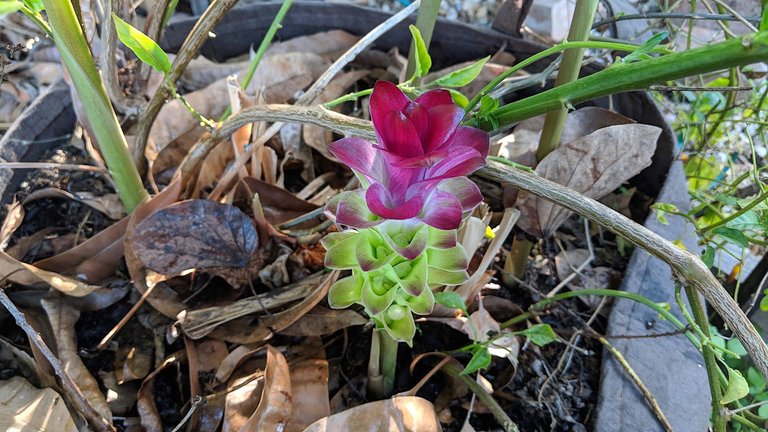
(278,204)
(242,402)
(198,234)
(26,274)
(322,321)
(62,318)
(593,165)
(24,407)
(309,385)
(108,204)
(324,44)
(275,406)
(401,414)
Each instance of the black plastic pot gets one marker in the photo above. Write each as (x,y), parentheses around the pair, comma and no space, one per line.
(669,366)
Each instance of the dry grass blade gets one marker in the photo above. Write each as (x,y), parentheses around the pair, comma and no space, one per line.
(27,274)
(322,321)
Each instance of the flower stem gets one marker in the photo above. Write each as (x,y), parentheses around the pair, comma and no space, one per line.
(382,364)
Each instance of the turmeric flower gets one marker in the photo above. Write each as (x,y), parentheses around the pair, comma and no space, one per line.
(422,156)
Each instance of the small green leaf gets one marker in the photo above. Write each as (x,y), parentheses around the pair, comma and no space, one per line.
(539,334)
(459,98)
(145,48)
(737,387)
(480,360)
(764,19)
(641,53)
(451,299)
(661,211)
(733,235)
(709,256)
(422,58)
(755,380)
(764,304)
(463,76)
(762,412)
(487,106)
(35,6)
(9,7)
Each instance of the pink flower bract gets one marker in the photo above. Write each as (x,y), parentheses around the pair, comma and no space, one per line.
(422,157)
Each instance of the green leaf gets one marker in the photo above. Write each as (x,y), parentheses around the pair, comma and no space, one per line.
(480,360)
(737,387)
(35,6)
(764,20)
(733,235)
(487,106)
(145,48)
(762,412)
(451,299)
(748,220)
(539,334)
(9,7)
(709,256)
(459,98)
(463,76)
(422,58)
(661,211)
(641,53)
(764,304)
(755,380)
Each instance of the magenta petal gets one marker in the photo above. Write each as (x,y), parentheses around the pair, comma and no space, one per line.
(458,162)
(386,97)
(358,154)
(470,137)
(381,204)
(443,212)
(443,120)
(398,135)
(435,98)
(465,191)
(420,119)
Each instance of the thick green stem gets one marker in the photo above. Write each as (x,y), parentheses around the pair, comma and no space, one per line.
(569,71)
(101,118)
(710,361)
(382,364)
(619,78)
(564,46)
(425,22)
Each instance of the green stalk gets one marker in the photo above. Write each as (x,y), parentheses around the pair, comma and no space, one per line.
(554,123)
(382,364)
(102,120)
(619,78)
(569,71)
(425,22)
(545,303)
(710,361)
(563,46)
(273,28)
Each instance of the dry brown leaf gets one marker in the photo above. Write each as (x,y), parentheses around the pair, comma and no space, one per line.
(62,318)
(197,234)
(24,407)
(278,204)
(274,408)
(281,76)
(108,204)
(309,386)
(26,274)
(242,402)
(145,398)
(12,221)
(401,414)
(232,360)
(593,165)
(322,43)
(322,321)
(316,137)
